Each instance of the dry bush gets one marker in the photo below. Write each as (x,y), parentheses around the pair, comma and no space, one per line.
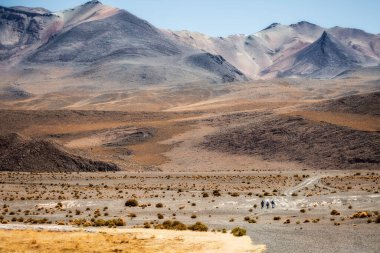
(360,215)
(198,226)
(131,203)
(237,231)
(131,215)
(171,225)
(216,193)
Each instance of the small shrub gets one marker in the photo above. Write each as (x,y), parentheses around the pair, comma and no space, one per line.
(172,225)
(132,215)
(131,203)
(198,226)
(237,231)
(276,218)
(159,205)
(334,212)
(205,195)
(361,215)
(216,193)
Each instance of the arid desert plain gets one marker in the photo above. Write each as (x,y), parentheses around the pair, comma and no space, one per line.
(119,135)
(211,160)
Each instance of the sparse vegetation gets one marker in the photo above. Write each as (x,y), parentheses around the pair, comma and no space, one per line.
(171,225)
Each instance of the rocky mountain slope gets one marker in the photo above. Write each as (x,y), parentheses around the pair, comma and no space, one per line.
(98,42)
(262,55)
(108,48)
(323,58)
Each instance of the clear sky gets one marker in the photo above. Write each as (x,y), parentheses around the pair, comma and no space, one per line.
(225,17)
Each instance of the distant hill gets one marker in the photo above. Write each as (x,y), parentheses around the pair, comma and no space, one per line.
(34,155)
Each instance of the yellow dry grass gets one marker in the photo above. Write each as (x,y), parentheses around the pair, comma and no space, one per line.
(355,121)
(29,241)
(64,128)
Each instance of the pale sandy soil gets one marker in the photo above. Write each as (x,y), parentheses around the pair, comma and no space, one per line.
(122,240)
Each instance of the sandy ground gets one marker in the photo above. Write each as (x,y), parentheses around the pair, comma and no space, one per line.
(48,238)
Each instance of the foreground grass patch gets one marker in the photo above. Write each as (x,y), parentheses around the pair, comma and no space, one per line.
(128,241)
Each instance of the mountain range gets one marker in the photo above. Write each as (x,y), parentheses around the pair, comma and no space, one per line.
(98,43)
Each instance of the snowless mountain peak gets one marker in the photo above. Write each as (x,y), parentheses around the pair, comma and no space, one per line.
(93,2)
(303,23)
(273,25)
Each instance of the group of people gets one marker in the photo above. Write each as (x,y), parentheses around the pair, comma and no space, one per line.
(267,203)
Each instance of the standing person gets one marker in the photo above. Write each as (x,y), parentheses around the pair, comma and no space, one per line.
(273,204)
(262,204)
(267,204)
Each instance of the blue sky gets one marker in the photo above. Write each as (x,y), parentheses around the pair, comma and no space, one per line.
(224,17)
